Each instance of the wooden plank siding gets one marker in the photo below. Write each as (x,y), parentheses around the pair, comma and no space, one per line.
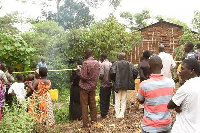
(155,34)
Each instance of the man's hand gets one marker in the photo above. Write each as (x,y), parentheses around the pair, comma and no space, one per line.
(178,109)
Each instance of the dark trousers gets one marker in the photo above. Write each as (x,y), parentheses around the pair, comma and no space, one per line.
(88,98)
(8,97)
(105,100)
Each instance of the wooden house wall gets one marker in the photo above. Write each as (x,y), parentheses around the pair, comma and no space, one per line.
(153,36)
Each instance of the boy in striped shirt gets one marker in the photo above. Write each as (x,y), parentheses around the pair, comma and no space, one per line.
(155,93)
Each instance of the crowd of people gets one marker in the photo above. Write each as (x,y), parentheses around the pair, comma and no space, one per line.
(33,90)
(156,90)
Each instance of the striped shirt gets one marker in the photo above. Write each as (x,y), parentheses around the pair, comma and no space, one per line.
(156,92)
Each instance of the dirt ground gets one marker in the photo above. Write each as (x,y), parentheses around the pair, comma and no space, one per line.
(129,124)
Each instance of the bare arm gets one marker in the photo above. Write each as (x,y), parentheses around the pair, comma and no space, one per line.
(32,87)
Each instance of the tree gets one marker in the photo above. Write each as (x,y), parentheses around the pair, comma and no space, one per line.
(50,41)
(196,21)
(138,20)
(7,22)
(72,15)
(45,36)
(15,51)
(107,36)
(188,36)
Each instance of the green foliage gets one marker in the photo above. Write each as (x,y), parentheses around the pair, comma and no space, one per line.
(103,37)
(15,51)
(136,21)
(196,21)
(7,21)
(141,18)
(16,120)
(61,114)
(72,15)
(188,36)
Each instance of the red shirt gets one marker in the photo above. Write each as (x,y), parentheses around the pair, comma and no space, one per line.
(89,74)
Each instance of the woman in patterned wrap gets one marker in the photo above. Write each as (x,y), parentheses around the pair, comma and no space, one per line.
(41,108)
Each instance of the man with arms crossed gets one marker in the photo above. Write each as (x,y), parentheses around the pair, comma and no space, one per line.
(186,101)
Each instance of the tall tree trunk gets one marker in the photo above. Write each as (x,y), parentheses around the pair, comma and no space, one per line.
(57,3)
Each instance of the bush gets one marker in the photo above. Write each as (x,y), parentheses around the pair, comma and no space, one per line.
(61,114)
(16,120)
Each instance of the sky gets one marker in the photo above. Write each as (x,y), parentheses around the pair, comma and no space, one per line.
(181,9)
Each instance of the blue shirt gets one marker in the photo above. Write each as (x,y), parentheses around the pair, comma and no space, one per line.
(40,64)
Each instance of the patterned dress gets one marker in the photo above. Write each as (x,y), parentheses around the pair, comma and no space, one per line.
(40,104)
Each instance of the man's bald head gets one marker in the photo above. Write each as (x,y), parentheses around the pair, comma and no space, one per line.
(161,48)
(121,56)
(155,64)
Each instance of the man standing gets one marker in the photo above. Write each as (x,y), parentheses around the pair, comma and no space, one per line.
(89,74)
(155,93)
(186,100)
(123,73)
(106,85)
(188,48)
(167,61)
(42,63)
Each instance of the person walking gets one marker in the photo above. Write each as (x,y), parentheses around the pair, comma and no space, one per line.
(123,74)
(167,61)
(89,74)
(106,85)
(155,93)
(186,100)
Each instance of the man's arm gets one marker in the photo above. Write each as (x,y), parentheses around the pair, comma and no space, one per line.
(134,71)
(172,105)
(83,71)
(112,71)
(101,72)
(140,101)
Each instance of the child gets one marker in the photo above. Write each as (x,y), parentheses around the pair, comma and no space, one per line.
(17,88)
(29,80)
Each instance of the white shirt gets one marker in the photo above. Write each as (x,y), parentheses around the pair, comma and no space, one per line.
(188,97)
(168,64)
(18,89)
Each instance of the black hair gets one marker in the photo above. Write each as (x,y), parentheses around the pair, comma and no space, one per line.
(146,54)
(79,62)
(192,64)
(198,45)
(104,55)
(20,77)
(43,71)
(10,68)
(190,45)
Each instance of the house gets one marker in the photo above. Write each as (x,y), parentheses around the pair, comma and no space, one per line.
(153,35)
